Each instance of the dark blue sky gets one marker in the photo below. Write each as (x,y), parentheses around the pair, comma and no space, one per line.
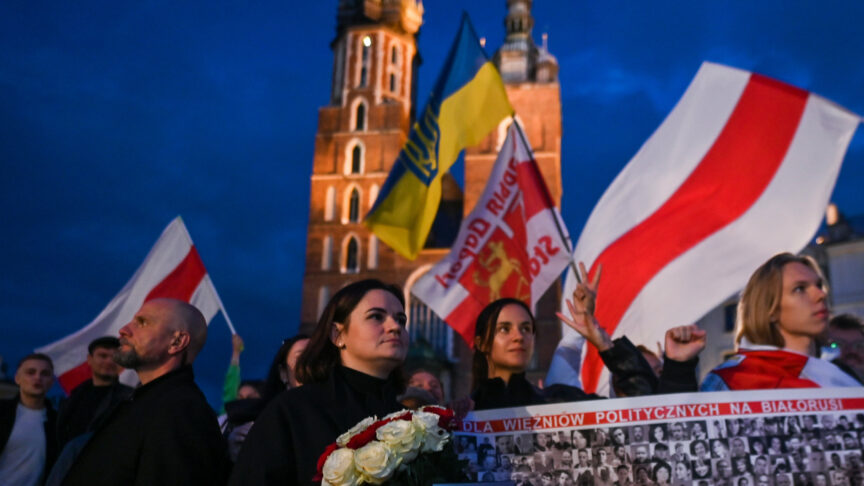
(117,116)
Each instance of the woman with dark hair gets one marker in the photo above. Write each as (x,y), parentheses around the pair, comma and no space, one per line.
(782,315)
(351,370)
(658,433)
(504,344)
(281,375)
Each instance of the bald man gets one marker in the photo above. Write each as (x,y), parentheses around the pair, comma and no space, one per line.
(165,433)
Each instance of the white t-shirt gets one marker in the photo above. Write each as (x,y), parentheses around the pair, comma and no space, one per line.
(23,458)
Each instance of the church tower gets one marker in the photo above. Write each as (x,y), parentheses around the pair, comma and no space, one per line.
(360,133)
(530,75)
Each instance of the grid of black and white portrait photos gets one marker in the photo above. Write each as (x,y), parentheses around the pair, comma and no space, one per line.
(799,450)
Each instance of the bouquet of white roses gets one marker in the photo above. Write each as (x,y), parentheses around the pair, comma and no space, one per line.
(404,448)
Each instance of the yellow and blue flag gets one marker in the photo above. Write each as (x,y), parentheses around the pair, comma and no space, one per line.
(468,101)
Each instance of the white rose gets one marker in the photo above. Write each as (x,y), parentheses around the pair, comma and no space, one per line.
(360,427)
(434,437)
(425,421)
(402,437)
(339,469)
(375,462)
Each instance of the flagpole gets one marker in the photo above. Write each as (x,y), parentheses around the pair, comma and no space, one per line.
(564,238)
(222,308)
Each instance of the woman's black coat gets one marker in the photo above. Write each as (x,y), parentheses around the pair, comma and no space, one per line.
(631,375)
(288,437)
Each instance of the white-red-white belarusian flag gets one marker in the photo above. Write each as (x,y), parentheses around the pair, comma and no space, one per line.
(509,246)
(172,269)
(741,169)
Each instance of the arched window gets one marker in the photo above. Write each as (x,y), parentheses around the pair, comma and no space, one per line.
(424,324)
(360,117)
(329,204)
(351,261)
(354,206)
(394,55)
(356,159)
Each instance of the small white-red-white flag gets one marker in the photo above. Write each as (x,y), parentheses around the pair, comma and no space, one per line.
(511,245)
(741,169)
(172,269)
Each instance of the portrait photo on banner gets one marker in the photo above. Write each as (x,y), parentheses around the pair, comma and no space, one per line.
(774,438)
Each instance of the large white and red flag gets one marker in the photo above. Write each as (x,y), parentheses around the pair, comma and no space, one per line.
(511,245)
(172,269)
(741,169)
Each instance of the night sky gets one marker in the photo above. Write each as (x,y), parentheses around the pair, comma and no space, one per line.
(115,117)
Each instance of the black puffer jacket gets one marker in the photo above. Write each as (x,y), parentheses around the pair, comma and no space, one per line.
(631,375)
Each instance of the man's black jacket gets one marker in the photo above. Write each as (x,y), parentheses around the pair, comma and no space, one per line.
(164,434)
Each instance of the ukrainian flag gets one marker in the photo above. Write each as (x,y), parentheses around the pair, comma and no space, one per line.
(467,102)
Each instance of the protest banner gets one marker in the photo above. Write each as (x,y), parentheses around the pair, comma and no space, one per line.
(765,438)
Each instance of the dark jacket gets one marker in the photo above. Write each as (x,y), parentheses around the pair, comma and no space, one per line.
(85,404)
(8,409)
(631,374)
(164,434)
(291,433)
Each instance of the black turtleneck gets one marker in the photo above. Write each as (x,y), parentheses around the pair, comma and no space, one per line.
(290,435)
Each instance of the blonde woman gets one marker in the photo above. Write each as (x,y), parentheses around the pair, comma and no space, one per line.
(781,315)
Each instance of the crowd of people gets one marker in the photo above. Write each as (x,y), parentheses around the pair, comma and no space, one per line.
(352,367)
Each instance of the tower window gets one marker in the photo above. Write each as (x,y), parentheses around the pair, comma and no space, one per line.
(356,157)
(354,206)
(364,60)
(351,261)
(394,55)
(360,117)
(392,82)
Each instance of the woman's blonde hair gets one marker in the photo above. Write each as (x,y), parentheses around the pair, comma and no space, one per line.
(759,307)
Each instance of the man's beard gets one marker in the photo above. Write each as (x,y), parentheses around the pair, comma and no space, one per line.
(129,359)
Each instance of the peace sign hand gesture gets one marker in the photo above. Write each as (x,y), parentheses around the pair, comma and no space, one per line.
(581,308)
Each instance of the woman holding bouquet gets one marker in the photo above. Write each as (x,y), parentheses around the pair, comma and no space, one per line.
(504,344)
(351,369)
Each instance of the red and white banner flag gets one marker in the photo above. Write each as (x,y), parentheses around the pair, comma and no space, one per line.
(509,246)
(741,169)
(172,269)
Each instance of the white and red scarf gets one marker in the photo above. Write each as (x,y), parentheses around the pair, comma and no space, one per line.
(758,367)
